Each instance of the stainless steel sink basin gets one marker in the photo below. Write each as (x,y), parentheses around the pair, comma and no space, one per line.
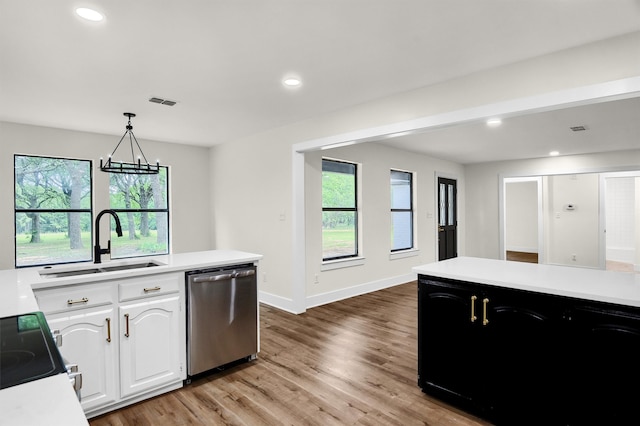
(128,266)
(60,273)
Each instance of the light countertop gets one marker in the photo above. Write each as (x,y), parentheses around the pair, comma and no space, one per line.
(52,401)
(592,284)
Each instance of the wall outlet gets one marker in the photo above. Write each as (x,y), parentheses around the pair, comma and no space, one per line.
(316,279)
(574,257)
(264,277)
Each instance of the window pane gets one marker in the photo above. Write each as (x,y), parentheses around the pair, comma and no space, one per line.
(143,234)
(450,204)
(400,190)
(442,216)
(338,234)
(52,210)
(338,187)
(137,199)
(44,238)
(44,183)
(138,191)
(401,230)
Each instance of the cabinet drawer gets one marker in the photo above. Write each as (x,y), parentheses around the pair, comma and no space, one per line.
(150,286)
(68,298)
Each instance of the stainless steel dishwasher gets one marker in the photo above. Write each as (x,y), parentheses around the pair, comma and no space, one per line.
(222,317)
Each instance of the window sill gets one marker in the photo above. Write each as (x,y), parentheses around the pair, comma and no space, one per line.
(342,263)
(403,254)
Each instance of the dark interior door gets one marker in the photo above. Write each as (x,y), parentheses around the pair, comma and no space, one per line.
(447,219)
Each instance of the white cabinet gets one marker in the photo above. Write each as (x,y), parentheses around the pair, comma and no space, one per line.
(85,341)
(149,344)
(126,335)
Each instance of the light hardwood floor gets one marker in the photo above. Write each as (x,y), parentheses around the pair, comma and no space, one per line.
(352,362)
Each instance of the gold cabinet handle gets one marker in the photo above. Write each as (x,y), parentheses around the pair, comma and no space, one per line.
(440,229)
(73,302)
(150,289)
(126,318)
(485,320)
(109,330)
(473,308)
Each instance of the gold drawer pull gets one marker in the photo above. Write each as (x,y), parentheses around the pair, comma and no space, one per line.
(485,320)
(473,308)
(73,302)
(109,330)
(150,289)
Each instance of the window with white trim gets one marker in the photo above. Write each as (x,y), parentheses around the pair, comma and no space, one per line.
(339,210)
(401,210)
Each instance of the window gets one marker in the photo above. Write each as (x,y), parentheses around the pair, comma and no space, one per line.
(339,210)
(401,210)
(142,205)
(53,217)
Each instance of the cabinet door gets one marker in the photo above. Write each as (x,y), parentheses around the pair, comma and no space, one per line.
(85,341)
(447,342)
(604,357)
(521,357)
(149,345)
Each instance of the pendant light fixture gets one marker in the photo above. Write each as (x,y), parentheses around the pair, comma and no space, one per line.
(140,166)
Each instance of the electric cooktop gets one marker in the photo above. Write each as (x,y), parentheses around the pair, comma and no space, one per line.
(27,350)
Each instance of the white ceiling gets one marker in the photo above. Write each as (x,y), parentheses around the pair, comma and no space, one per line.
(223,62)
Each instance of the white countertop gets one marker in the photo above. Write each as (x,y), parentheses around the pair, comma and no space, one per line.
(52,401)
(46,402)
(605,286)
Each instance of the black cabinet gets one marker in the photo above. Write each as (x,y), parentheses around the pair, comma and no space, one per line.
(519,357)
(605,356)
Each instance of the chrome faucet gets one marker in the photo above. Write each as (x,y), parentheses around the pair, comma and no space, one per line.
(97,251)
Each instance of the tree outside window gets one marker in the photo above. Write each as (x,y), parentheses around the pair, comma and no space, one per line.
(339,210)
(52,200)
(141,202)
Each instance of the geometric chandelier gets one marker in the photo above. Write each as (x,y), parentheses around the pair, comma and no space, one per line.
(138,167)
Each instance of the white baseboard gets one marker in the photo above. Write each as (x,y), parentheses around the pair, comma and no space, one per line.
(287,305)
(277,302)
(345,293)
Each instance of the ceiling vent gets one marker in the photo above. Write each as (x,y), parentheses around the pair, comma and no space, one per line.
(162,101)
(578,128)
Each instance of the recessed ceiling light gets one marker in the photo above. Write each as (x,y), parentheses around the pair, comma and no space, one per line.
(291,82)
(554,153)
(89,14)
(493,122)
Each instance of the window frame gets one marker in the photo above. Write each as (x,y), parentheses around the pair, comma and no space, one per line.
(49,210)
(410,210)
(353,210)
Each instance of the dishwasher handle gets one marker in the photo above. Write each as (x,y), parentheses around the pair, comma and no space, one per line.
(209,278)
(246,273)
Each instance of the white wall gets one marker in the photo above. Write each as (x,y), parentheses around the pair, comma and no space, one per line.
(188,170)
(482,189)
(379,268)
(268,160)
(573,231)
(521,216)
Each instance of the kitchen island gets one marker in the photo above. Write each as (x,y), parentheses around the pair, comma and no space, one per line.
(521,343)
(35,289)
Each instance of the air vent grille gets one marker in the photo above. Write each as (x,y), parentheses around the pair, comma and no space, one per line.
(162,101)
(578,128)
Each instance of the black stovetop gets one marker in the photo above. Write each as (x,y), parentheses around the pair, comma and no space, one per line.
(27,350)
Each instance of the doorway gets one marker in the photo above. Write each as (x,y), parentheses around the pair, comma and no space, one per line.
(447,218)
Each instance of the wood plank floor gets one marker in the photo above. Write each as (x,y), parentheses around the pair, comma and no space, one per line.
(352,362)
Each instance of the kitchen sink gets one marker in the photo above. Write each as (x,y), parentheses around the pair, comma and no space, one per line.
(60,273)
(128,266)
